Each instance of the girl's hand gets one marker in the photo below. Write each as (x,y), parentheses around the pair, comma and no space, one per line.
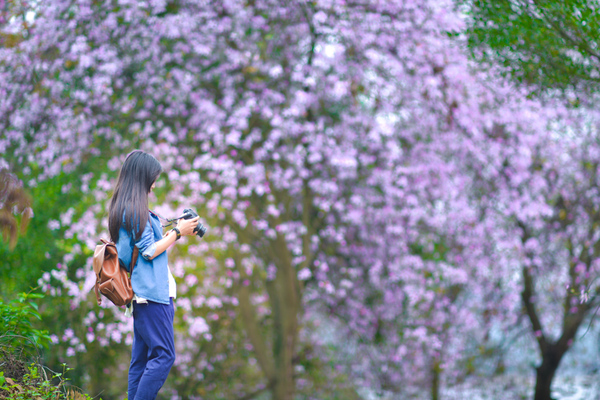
(187,226)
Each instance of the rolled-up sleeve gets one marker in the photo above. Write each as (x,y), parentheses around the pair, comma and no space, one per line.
(146,244)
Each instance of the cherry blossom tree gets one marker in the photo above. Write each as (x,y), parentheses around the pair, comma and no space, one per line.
(549,194)
(426,273)
(465,214)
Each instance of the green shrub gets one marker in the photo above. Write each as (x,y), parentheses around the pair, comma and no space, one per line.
(22,376)
(37,384)
(16,329)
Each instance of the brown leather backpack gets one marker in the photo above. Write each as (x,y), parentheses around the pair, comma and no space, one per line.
(112,280)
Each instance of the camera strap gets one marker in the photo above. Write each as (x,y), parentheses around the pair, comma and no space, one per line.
(170,221)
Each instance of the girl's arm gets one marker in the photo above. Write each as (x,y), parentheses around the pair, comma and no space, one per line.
(185,226)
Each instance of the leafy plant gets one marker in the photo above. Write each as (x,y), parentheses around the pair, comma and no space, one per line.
(16,328)
(20,341)
(37,385)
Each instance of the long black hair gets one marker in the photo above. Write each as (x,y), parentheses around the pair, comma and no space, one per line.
(129,202)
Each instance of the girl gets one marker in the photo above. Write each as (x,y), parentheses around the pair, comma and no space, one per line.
(131,223)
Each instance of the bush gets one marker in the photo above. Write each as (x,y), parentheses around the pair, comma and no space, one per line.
(34,383)
(22,376)
(16,330)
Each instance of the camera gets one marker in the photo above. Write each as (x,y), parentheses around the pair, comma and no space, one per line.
(188,213)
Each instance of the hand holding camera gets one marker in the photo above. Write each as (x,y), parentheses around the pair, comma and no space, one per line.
(188,224)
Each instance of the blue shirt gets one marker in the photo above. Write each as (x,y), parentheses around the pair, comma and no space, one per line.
(150,278)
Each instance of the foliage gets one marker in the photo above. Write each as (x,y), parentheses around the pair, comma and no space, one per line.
(545,44)
(36,384)
(45,234)
(16,328)
(21,341)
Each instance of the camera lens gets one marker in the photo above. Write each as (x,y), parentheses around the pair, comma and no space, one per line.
(201,230)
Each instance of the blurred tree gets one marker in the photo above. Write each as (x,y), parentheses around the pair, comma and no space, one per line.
(546,197)
(15,208)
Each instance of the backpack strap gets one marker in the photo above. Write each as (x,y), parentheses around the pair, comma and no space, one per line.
(96,284)
(134,254)
(134,258)
(97,264)
(98,299)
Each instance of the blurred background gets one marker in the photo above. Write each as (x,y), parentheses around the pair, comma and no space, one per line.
(402,197)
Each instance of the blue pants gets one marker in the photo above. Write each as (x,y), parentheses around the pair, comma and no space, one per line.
(153,351)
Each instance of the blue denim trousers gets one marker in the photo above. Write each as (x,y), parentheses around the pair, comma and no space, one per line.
(153,351)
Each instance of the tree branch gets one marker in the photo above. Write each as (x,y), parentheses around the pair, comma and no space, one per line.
(526,296)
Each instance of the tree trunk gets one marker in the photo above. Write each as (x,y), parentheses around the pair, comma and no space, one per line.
(283,350)
(284,387)
(552,352)
(545,373)
(435,380)
(283,293)
(284,297)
